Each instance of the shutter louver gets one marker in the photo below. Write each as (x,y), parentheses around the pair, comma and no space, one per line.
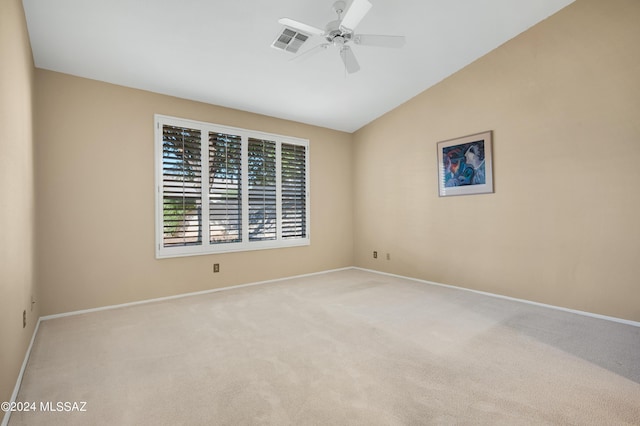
(294,195)
(262,190)
(225,188)
(181,186)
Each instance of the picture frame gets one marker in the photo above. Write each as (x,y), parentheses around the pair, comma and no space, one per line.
(465,165)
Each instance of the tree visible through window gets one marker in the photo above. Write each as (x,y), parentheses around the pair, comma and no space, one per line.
(294,200)
(182,186)
(225,188)
(252,194)
(262,190)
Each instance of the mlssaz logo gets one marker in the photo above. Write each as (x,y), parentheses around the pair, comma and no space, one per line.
(65,406)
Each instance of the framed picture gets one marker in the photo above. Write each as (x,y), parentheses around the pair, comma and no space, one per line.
(465,165)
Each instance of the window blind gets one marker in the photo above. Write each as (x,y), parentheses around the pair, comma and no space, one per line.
(222,189)
(225,188)
(262,190)
(294,194)
(181,186)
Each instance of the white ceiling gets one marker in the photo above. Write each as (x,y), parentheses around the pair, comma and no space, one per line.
(220,52)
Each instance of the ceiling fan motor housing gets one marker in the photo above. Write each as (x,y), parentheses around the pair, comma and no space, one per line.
(337,35)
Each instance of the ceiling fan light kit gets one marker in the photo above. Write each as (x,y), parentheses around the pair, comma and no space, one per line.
(339,33)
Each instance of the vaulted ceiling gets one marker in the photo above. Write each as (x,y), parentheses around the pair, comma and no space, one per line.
(220,52)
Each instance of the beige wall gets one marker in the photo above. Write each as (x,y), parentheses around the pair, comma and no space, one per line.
(16,194)
(562,227)
(563,100)
(95,190)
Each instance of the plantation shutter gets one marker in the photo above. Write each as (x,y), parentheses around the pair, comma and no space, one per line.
(181,186)
(262,190)
(225,188)
(221,189)
(294,193)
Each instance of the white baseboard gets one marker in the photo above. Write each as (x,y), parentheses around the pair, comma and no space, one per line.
(179,296)
(14,395)
(500,296)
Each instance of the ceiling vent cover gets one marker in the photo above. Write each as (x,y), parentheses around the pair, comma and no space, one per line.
(290,40)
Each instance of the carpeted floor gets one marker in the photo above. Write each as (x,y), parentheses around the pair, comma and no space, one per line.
(342,348)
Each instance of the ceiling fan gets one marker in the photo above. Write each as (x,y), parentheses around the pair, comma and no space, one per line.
(339,33)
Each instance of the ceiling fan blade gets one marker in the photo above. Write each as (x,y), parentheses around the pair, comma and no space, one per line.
(349,59)
(379,40)
(354,15)
(311,52)
(301,26)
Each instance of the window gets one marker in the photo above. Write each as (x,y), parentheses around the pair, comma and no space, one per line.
(253,187)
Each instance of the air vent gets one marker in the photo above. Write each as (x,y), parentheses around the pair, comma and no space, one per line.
(290,40)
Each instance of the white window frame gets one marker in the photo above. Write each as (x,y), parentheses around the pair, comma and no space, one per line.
(206,247)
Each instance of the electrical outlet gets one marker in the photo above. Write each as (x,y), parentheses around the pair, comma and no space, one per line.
(24,318)
(388,256)
(375,254)
(216,267)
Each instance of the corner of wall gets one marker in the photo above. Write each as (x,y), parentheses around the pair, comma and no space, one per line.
(17,210)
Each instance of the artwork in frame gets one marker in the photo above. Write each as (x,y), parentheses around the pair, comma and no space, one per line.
(465,165)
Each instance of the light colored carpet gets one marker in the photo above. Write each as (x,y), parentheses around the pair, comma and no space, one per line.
(348,347)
